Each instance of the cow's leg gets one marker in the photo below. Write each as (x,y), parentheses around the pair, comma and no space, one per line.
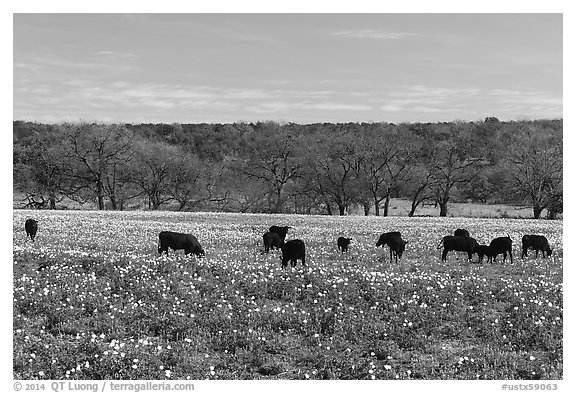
(303,260)
(510,252)
(469,256)
(444,253)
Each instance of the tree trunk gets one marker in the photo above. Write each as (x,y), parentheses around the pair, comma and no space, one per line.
(328,208)
(342,209)
(415,204)
(366,208)
(443,208)
(155,199)
(100,196)
(537,209)
(386,204)
(277,207)
(377,208)
(113,202)
(52,199)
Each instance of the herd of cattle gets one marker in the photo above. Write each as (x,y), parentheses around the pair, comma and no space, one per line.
(295,249)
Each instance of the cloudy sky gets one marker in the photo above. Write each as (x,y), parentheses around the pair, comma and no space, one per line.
(289,67)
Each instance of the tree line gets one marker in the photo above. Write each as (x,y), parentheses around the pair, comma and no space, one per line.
(322,168)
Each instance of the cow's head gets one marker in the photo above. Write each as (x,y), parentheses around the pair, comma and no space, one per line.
(402,247)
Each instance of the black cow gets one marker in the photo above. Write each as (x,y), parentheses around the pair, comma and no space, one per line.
(179,241)
(538,243)
(387,238)
(397,247)
(501,245)
(282,231)
(461,232)
(458,243)
(31,227)
(272,240)
(343,243)
(293,250)
(485,251)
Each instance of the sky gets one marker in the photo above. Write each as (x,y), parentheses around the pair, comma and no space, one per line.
(302,68)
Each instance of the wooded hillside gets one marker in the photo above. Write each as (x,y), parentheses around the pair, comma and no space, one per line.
(319,168)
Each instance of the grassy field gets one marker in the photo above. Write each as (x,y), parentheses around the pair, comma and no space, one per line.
(94,300)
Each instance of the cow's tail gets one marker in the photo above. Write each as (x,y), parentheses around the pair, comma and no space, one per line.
(439,246)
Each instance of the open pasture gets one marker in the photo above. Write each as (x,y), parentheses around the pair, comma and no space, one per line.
(94,300)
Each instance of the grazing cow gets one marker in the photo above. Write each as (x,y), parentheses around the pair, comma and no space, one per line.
(343,243)
(397,247)
(538,243)
(485,251)
(293,250)
(179,241)
(282,231)
(31,227)
(387,238)
(461,232)
(272,240)
(458,243)
(501,245)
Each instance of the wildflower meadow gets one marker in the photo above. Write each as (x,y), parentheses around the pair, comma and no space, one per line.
(93,299)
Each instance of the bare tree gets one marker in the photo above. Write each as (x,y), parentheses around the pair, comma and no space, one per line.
(334,169)
(154,168)
(96,152)
(40,171)
(273,159)
(535,166)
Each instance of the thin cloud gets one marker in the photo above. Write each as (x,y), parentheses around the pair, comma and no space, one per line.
(341,107)
(116,54)
(392,108)
(55,65)
(373,34)
(181,102)
(435,99)
(273,107)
